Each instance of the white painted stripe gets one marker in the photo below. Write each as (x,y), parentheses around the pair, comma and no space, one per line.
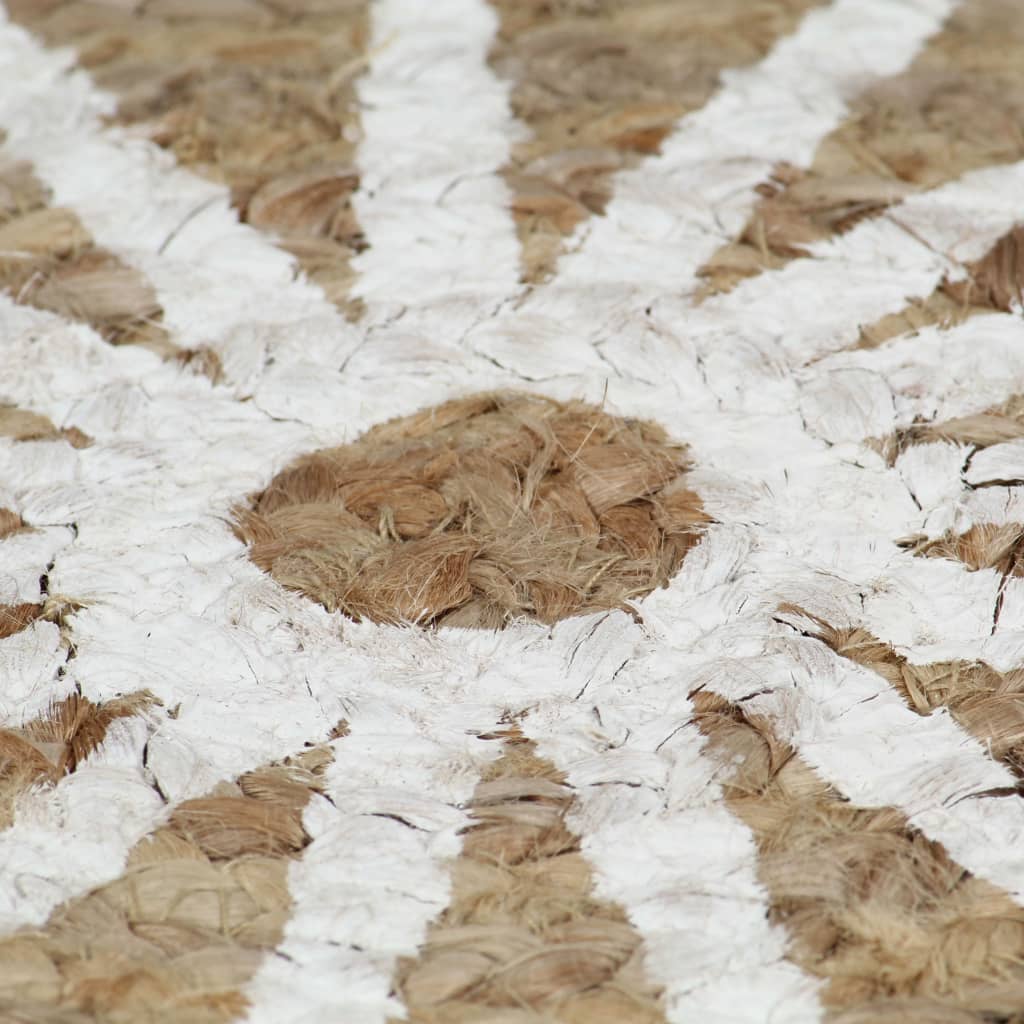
(649,809)
(669,215)
(376,872)
(156,568)
(98,812)
(23,560)
(771,324)
(845,720)
(860,736)
(437,128)
(936,470)
(220,283)
(999,463)
(933,375)
(816,305)
(441,223)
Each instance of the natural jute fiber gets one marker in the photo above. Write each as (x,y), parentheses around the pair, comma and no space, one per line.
(479,511)
(957,108)
(24,425)
(48,260)
(49,747)
(177,937)
(11,523)
(998,546)
(993,283)
(988,704)
(256,95)
(600,84)
(977,431)
(896,930)
(524,939)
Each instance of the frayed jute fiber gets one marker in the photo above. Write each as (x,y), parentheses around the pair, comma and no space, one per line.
(45,749)
(479,511)
(49,260)
(524,939)
(992,284)
(16,617)
(897,932)
(977,431)
(11,523)
(957,108)
(600,84)
(255,95)
(998,546)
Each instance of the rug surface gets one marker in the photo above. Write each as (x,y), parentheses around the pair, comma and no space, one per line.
(512,511)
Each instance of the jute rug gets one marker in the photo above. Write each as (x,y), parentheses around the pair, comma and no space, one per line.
(512,511)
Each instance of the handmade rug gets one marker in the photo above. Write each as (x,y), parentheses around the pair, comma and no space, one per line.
(512,511)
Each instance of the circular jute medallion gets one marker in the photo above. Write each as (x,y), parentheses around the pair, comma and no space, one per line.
(479,511)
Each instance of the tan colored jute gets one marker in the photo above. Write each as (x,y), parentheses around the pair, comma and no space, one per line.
(45,749)
(24,425)
(998,546)
(993,283)
(999,423)
(16,617)
(898,932)
(255,95)
(524,939)
(479,511)
(48,260)
(600,83)
(11,523)
(957,108)
(176,938)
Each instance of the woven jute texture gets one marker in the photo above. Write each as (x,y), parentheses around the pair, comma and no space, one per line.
(524,937)
(977,431)
(255,95)
(987,703)
(600,85)
(497,510)
(993,283)
(49,747)
(957,108)
(201,900)
(479,511)
(896,930)
(48,260)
